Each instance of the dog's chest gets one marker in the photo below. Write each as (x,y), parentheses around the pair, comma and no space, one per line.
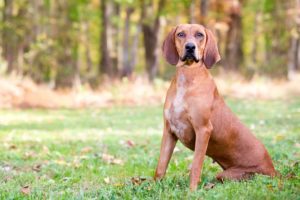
(176,114)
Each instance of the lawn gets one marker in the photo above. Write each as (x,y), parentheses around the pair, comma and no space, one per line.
(111,153)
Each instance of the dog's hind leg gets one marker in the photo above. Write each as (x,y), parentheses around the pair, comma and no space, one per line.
(234,174)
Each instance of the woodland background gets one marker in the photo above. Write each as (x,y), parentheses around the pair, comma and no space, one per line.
(69,42)
(82,83)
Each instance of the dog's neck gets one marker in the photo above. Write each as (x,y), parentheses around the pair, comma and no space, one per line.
(192,72)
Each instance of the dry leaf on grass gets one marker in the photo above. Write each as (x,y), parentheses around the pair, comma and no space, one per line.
(111,159)
(45,149)
(86,150)
(117,161)
(137,180)
(6,168)
(25,190)
(12,147)
(127,143)
(130,143)
(209,186)
(107,180)
(290,175)
(37,168)
(61,162)
(29,154)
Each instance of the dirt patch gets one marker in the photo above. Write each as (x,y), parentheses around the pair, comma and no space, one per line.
(18,92)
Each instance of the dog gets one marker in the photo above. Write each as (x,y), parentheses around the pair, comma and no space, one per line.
(197,115)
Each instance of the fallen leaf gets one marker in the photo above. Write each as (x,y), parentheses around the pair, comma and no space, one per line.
(6,168)
(45,149)
(209,186)
(127,143)
(130,143)
(66,178)
(25,190)
(111,159)
(12,146)
(117,162)
(60,162)
(76,162)
(37,167)
(29,154)
(137,180)
(107,157)
(6,179)
(86,150)
(107,180)
(290,175)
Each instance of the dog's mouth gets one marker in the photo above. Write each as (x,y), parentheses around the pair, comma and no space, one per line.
(189,57)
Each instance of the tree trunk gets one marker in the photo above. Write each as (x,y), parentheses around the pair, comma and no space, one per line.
(203,11)
(134,48)
(294,51)
(68,71)
(233,50)
(9,38)
(105,65)
(150,32)
(191,13)
(126,67)
(255,42)
(87,48)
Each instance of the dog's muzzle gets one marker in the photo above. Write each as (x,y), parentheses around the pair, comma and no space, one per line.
(189,54)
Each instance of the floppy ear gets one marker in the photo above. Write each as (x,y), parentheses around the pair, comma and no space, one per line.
(211,52)
(169,49)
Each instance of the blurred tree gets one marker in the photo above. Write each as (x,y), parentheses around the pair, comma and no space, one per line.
(9,37)
(294,51)
(105,65)
(234,42)
(204,4)
(150,28)
(275,37)
(67,44)
(127,68)
(58,42)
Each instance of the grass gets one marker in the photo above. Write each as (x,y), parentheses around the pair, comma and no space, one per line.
(58,154)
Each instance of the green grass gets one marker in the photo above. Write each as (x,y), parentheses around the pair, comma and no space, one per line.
(68,145)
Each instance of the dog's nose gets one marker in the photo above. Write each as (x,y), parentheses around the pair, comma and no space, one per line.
(190,47)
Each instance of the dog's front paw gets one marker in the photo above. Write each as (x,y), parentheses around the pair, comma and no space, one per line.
(193,186)
(158,176)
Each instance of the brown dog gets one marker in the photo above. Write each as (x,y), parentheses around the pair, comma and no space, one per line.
(196,114)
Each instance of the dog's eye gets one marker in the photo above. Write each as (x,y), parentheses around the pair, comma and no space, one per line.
(200,35)
(181,34)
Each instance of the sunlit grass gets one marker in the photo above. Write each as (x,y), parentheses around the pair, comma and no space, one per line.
(58,154)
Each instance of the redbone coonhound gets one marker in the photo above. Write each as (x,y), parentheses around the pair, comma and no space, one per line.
(197,115)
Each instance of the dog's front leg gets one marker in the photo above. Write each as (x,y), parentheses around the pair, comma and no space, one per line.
(202,137)
(167,146)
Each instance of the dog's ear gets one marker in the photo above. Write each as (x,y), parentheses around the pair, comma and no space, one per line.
(211,52)
(169,49)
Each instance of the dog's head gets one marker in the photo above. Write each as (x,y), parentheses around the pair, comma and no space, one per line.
(191,43)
